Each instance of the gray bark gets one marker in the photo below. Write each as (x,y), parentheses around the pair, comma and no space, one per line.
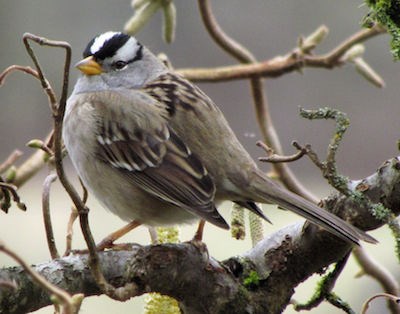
(200,283)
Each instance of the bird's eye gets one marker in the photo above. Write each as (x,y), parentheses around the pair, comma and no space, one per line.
(119,64)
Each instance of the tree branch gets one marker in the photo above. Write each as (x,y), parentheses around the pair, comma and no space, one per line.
(10,160)
(371,267)
(263,279)
(261,106)
(293,61)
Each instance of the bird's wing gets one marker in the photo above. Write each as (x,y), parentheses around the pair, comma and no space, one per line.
(135,139)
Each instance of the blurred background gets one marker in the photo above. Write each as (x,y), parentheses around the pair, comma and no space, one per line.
(268,29)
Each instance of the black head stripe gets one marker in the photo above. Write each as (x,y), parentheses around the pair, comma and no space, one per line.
(139,54)
(87,52)
(109,47)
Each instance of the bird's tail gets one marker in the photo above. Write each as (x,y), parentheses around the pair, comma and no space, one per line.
(267,191)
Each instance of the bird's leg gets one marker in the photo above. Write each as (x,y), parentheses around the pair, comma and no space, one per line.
(197,241)
(108,241)
(198,237)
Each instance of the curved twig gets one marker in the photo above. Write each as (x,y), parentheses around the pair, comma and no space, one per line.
(58,110)
(325,286)
(71,303)
(275,158)
(227,43)
(293,61)
(371,268)
(264,119)
(46,215)
(14,68)
(31,166)
(393,298)
(10,160)
(328,167)
(12,189)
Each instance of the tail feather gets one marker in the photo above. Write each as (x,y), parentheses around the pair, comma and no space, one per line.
(269,192)
(254,208)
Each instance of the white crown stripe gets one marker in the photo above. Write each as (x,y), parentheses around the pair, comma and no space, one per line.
(100,40)
(128,50)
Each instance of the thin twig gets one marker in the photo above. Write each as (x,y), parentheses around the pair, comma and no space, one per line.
(275,158)
(372,268)
(328,167)
(228,44)
(338,302)
(333,58)
(58,110)
(10,160)
(366,304)
(70,231)
(30,167)
(13,191)
(45,83)
(14,68)
(46,215)
(263,116)
(63,297)
(37,160)
(324,287)
(39,144)
(73,216)
(85,194)
(280,65)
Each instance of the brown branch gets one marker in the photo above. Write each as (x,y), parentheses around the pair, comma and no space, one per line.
(227,43)
(46,215)
(372,268)
(324,287)
(72,217)
(281,262)
(395,299)
(45,83)
(12,189)
(37,160)
(13,68)
(333,58)
(30,167)
(58,110)
(261,106)
(275,158)
(71,304)
(280,65)
(10,160)
(328,166)
(39,144)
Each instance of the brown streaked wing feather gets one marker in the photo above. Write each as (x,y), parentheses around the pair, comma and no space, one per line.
(181,180)
(160,163)
(126,151)
(168,86)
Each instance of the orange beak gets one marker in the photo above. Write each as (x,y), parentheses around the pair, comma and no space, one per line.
(89,66)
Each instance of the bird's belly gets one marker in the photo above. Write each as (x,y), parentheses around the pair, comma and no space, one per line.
(125,199)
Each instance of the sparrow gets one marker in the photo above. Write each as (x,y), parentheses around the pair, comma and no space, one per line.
(154,149)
